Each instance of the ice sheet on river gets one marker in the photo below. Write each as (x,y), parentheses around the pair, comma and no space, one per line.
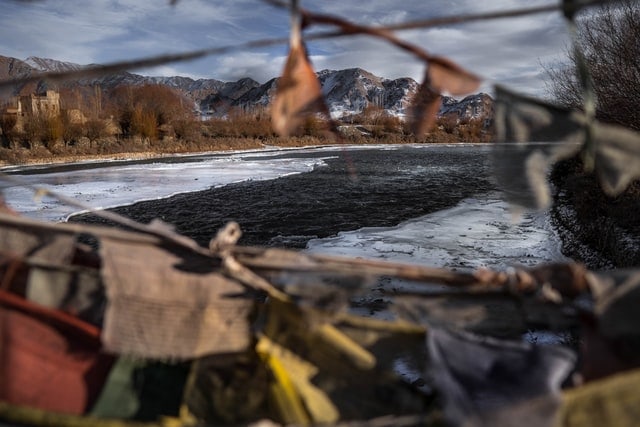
(475,233)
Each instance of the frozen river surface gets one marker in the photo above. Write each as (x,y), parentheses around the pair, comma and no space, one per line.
(429,204)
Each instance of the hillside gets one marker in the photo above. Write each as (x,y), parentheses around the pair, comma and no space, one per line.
(347,92)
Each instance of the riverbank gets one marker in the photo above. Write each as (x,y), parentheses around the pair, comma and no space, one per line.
(135,149)
(600,231)
(53,160)
(112,149)
(216,140)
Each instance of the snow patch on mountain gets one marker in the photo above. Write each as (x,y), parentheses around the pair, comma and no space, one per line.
(478,106)
(351,91)
(51,65)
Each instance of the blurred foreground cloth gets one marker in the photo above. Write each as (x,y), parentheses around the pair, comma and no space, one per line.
(612,401)
(521,162)
(166,304)
(490,382)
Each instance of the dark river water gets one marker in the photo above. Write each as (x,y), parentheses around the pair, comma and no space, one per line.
(357,188)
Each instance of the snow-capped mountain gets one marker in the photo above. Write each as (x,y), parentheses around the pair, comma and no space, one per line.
(350,91)
(478,106)
(48,65)
(347,92)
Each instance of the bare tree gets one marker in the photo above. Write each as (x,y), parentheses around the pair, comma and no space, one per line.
(8,126)
(609,38)
(141,109)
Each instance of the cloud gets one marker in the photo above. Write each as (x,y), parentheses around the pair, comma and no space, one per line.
(372,55)
(33,30)
(259,66)
(102,31)
(506,50)
(503,49)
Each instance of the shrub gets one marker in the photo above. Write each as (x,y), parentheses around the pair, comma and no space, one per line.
(240,125)
(314,126)
(186,129)
(473,131)
(34,130)
(72,131)
(53,130)
(95,129)
(144,123)
(13,156)
(391,124)
(8,124)
(141,110)
(448,123)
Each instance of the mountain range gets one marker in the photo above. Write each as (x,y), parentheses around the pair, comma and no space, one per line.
(347,92)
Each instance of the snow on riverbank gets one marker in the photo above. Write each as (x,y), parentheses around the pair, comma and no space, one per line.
(124,183)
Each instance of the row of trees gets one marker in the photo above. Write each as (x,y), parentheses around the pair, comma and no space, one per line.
(145,110)
(130,111)
(155,112)
(50,130)
(448,128)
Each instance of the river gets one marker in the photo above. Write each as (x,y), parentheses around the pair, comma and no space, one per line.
(435,205)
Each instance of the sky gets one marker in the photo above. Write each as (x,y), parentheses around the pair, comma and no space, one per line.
(513,52)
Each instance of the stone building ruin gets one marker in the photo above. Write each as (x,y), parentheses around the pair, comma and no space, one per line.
(46,104)
(22,108)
